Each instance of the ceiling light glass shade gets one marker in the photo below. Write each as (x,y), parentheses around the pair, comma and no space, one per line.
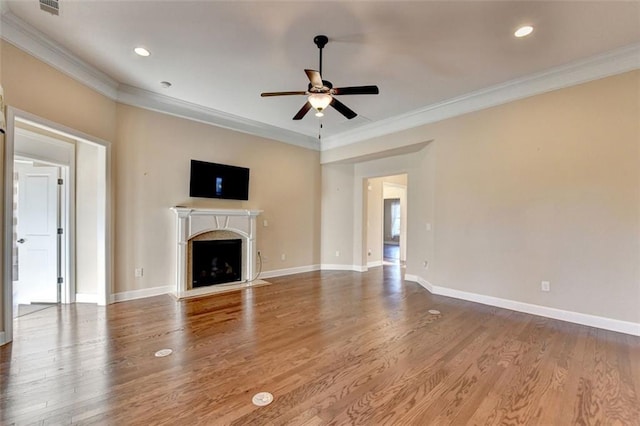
(319,101)
(523,31)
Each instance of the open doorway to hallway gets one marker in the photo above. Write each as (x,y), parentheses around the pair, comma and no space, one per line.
(387,220)
(56,211)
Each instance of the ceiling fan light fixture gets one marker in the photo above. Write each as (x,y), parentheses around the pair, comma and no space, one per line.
(319,101)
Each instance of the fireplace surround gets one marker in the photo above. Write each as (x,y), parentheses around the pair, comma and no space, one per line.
(197,225)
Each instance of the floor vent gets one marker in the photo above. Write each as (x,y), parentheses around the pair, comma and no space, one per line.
(51,6)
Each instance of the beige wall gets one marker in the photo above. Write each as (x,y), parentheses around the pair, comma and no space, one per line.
(546,188)
(31,85)
(152,156)
(337,216)
(375,219)
(150,167)
(35,87)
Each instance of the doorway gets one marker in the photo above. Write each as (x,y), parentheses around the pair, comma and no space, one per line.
(38,271)
(42,167)
(392,218)
(386,220)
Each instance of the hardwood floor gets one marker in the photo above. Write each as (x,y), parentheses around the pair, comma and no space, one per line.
(332,347)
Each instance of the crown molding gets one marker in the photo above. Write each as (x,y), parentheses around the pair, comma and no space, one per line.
(156,102)
(29,39)
(611,63)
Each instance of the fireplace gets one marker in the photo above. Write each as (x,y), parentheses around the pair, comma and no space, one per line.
(216,250)
(216,262)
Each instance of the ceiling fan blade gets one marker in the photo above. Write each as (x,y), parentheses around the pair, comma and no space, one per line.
(356,90)
(303,111)
(281,93)
(314,78)
(343,109)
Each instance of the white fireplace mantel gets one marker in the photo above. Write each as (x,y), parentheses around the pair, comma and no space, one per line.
(192,222)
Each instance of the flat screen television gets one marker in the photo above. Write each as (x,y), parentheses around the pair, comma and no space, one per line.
(212,180)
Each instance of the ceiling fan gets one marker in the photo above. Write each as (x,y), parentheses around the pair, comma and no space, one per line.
(321,93)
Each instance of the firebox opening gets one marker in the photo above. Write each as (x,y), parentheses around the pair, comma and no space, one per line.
(216,262)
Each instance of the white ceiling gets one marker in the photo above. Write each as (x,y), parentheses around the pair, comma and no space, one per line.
(222,55)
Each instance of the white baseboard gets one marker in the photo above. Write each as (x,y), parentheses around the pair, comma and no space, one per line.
(288,271)
(139,294)
(335,267)
(86,298)
(2,337)
(611,324)
(375,263)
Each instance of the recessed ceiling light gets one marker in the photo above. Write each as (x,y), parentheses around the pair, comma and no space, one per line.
(142,51)
(523,31)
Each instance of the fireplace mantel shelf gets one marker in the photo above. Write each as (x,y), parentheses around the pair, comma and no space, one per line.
(188,211)
(192,222)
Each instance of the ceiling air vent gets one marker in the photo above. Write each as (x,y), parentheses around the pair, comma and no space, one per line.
(50,6)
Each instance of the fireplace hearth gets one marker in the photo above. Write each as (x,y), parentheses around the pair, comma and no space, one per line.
(216,262)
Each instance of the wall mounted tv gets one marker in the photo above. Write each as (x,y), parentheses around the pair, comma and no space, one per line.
(211,180)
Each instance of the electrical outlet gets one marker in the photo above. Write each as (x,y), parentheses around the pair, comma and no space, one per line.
(337,253)
(369,252)
(265,223)
(545,286)
(138,272)
(283,256)
(425,264)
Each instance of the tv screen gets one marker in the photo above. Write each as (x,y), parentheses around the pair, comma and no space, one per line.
(211,180)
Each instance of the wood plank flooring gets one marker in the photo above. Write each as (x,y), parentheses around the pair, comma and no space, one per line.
(334,348)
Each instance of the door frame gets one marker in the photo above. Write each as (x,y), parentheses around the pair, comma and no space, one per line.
(105,210)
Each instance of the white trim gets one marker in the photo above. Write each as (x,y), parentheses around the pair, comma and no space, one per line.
(336,267)
(86,298)
(140,294)
(7,273)
(29,39)
(604,65)
(288,271)
(156,102)
(611,324)
(375,263)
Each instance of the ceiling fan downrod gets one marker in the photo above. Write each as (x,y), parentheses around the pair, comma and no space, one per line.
(321,41)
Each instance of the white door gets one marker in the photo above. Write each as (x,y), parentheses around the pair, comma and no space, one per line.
(37,232)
